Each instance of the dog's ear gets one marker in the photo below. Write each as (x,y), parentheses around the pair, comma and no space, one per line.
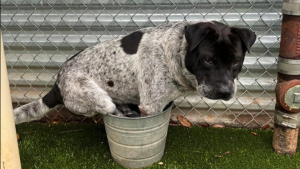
(195,33)
(248,37)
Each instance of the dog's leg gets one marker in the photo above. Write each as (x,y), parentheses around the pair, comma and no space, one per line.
(84,97)
(151,109)
(156,84)
(154,96)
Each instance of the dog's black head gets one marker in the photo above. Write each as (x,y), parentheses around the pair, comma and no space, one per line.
(215,56)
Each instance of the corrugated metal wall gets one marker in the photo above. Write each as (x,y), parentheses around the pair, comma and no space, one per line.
(39,35)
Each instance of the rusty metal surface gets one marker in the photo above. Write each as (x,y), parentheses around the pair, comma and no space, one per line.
(289,49)
(290,37)
(292,97)
(281,92)
(282,77)
(285,140)
(285,135)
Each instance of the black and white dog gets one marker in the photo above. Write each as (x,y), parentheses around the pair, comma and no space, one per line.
(149,67)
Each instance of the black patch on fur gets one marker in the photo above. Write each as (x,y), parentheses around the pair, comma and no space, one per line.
(175,83)
(130,43)
(35,107)
(110,83)
(53,98)
(26,110)
(129,109)
(134,107)
(114,52)
(29,114)
(222,45)
(168,105)
(74,55)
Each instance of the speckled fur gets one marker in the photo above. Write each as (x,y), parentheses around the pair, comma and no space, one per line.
(102,75)
(31,111)
(151,78)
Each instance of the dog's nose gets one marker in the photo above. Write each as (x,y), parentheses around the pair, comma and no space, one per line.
(224,93)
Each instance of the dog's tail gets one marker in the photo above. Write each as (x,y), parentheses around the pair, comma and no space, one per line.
(37,109)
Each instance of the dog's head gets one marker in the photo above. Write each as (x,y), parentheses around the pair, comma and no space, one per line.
(215,56)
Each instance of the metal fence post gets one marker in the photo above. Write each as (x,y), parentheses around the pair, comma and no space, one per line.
(287,108)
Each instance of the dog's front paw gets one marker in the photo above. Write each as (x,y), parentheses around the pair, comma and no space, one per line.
(109,108)
(144,111)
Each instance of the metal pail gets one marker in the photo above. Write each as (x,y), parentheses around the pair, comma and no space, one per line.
(140,141)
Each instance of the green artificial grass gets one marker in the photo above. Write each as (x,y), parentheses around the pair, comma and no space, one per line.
(79,146)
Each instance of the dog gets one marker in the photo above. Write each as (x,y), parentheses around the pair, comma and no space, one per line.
(149,67)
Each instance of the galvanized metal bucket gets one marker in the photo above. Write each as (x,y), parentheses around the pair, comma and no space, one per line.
(140,141)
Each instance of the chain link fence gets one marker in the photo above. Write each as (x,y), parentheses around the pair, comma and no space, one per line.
(40,35)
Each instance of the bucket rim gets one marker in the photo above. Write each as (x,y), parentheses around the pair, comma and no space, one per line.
(166,109)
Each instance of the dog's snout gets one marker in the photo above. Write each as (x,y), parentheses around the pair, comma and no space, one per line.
(224,93)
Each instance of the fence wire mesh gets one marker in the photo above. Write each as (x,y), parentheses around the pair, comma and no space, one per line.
(40,35)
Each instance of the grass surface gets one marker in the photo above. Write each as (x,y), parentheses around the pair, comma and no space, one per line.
(78,146)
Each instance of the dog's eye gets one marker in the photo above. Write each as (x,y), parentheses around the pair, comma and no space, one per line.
(208,61)
(236,62)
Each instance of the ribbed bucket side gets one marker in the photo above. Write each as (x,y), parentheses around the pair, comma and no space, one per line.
(139,146)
